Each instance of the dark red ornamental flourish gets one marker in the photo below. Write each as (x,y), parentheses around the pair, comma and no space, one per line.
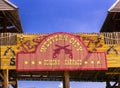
(67,51)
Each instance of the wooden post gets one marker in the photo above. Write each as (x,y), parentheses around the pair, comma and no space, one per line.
(66,83)
(108,85)
(6,78)
(14,84)
(119,81)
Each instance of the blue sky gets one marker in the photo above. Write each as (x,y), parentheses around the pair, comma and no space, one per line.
(52,84)
(47,16)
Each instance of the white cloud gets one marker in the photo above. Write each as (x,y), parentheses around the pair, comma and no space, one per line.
(60,85)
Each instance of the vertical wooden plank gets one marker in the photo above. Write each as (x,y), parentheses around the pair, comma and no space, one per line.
(111,38)
(6,78)
(116,37)
(108,85)
(66,83)
(0,49)
(16,85)
(118,82)
(1,76)
(105,38)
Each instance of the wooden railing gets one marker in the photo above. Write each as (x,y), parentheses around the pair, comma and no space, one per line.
(11,38)
(8,39)
(112,38)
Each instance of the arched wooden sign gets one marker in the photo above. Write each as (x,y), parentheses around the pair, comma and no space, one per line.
(61,51)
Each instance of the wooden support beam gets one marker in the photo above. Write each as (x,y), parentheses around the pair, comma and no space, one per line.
(12,82)
(108,85)
(66,83)
(96,75)
(1,83)
(12,20)
(80,75)
(115,84)
(119,81)
(112,73)
(16,84)
(6,78)
(2,76)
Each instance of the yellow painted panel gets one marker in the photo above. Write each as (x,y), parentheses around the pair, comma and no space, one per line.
(112,59)
(8,67)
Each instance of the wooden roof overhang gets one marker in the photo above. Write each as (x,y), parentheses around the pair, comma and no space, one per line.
(9,18)
(112,21)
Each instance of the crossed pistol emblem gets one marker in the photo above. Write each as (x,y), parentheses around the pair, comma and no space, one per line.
(59,48)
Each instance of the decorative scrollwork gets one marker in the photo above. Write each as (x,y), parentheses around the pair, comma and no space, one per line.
(9,49)
(112,48)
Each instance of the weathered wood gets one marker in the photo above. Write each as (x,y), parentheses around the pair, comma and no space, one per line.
(66,83)
(107,40)
(15,84)
(108,85)
(1,76)
(8,39)
(5,6)
(9,17)
(6,78)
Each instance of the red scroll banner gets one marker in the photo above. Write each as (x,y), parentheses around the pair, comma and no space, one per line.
(61,51)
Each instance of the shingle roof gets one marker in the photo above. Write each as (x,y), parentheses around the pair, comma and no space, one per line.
(115,7)
(6,5)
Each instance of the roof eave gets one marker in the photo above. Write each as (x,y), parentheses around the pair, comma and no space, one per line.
(11,4)
(112,8)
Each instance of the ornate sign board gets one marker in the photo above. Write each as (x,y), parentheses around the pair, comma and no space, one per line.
(61,51)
